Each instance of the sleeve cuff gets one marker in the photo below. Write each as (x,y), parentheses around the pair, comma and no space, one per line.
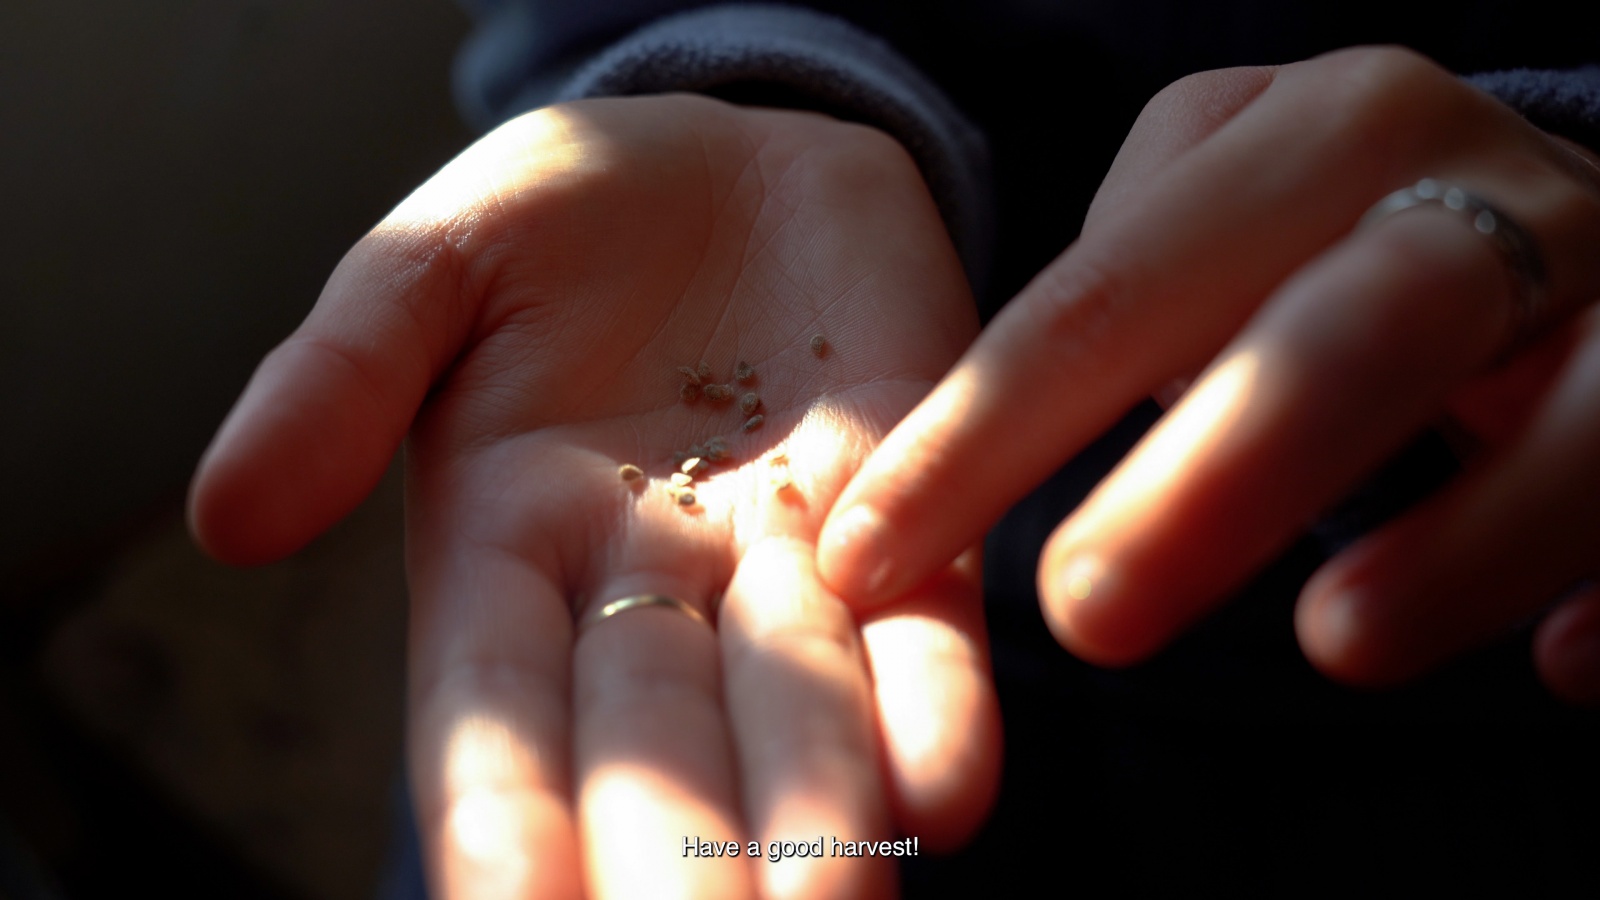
(1562,102)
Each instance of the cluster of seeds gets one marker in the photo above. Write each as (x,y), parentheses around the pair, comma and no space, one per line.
(697,383)
(698,461)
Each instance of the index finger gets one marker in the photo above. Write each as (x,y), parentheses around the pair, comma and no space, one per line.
(1154,288)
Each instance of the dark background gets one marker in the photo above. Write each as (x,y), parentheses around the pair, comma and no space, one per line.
(179,177)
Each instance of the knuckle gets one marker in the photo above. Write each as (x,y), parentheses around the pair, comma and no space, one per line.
(1378,91)
(1203,101)
(425,269)
(1074,304)
(1383,63)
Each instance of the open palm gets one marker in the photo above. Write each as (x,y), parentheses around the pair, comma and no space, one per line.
(524,316)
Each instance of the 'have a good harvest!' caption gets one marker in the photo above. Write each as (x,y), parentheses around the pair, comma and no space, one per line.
(777,850)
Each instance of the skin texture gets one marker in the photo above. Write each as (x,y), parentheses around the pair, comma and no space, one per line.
(522,317)
(1222,250)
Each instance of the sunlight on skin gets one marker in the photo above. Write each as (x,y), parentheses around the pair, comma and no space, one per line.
(862,524)
(955,395)
(805,876)
(638,806)
(1175,450)
(480,752)
(900,651)
(923,670)
(820,450)
(484,825)
(548,148)
(789,643)
(484,763)
(1079,587)
(1078,583)
(523,315)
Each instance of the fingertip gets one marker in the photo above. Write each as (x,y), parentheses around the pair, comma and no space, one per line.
(214,496)
(226,513)
(1344,634)
(854,555)
(947,809)
(937,707)
(1088,610)
(303,447)
(1566,650)
(945,763)
(927,492)
(1328,627)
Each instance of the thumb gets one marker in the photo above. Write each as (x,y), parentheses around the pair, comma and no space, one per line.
(324,412)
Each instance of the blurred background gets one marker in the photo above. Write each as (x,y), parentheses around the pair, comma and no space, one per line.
(179,177)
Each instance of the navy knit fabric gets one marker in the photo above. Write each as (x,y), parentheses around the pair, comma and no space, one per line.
(1028,73)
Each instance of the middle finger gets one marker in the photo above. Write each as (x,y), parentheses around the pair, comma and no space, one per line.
(1344,363)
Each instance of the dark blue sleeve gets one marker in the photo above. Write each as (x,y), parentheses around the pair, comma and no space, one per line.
(528,53)
(1565,103)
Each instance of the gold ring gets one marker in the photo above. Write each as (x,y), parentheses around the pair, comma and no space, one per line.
(640,601)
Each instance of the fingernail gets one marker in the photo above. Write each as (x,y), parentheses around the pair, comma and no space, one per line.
(1329,626)
(1341,637)
(855,548)
(1573,669)
(1076,585)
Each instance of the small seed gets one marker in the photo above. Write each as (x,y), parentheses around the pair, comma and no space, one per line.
(819,345)
(717,393)
(686,498)
(689,392)
(701,468)
(691,463)
(778,473)
(748,403)
(630,472)
(704,372)
(716,449)
(744,374)
(689,375)
(754,422)
(682,479)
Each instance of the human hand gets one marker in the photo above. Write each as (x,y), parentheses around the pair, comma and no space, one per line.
(1224,237)
(533,300)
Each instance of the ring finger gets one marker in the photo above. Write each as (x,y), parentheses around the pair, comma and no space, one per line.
(1342,364)
(1488,550)
(653,755)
